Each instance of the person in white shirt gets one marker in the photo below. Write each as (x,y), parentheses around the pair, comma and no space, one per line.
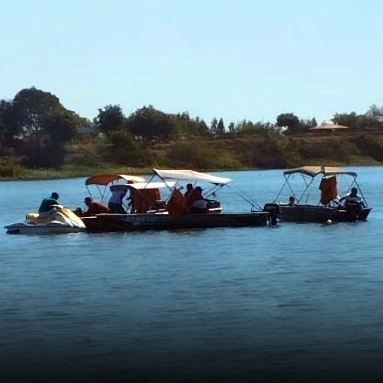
(115,201)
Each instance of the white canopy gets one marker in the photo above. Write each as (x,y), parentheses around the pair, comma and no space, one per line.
(152,185)
(191,175)
(313,171)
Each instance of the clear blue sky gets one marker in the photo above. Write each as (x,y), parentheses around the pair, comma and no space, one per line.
(235,59)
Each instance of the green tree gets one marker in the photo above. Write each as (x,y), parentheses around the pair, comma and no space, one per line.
(355,121)
(375,112)
(305,125)
(202,128)
(184,126)
(30,108)
(8,127)
(150,123)
(220,127)
(61,125)
(231,128)
(110,118)
(289,121)
(125,150)
(214,126)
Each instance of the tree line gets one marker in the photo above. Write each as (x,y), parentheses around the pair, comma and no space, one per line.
(36,129)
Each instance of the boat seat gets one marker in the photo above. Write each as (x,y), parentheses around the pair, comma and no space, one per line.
(36,218)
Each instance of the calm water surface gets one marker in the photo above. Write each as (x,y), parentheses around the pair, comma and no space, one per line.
(298,302)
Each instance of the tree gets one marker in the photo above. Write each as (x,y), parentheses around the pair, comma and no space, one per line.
(375,112)
(220,127)
(61,125)
(149,123)
(214,125)
(289,121)
(354,121)
(186,126)
(8,127)
(305,125)
(126,150)
(231,128)
(110,118)
(30,108)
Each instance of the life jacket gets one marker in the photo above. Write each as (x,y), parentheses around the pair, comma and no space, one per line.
(328,188)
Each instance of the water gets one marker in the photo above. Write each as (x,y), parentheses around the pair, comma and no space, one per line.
(298,302)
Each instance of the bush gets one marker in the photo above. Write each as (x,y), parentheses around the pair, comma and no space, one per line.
(10,168)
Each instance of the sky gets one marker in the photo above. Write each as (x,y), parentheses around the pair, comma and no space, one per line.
(231,59)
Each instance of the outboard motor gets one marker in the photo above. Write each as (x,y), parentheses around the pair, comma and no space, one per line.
(353,209)
(273,210)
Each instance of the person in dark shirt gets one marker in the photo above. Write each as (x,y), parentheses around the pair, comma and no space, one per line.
(195,202)
(48,205)
(352,199)
(189,190)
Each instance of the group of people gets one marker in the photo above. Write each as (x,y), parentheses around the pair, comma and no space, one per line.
(115,204)
(351,199)
(194,200)
(50,204)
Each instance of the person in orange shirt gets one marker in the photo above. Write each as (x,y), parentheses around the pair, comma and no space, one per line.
(94,207)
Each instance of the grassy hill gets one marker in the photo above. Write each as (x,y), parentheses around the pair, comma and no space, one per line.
(273,151)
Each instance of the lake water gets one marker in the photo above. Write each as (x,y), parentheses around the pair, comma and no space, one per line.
(292,303)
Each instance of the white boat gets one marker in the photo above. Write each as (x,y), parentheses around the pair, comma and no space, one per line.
(151,212)
(63,220)
(329,181)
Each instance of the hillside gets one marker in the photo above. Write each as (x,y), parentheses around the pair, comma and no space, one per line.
(273,151)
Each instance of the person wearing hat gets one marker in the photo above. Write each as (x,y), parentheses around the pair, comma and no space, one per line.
(48,205)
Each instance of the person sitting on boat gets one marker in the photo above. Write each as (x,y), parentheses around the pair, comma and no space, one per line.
(176,205)
(189,190)
(94,207)
(292,201)
(352,199)
(115,201)
(49,205)
(196,203)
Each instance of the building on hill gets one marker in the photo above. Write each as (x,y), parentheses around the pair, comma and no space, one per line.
(328,128)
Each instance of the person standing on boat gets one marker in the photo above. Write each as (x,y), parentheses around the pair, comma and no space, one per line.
(352,199)
(94,207)
(115,201)
(48,205)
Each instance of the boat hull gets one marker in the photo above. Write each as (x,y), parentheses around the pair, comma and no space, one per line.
(25,228)
(321,214)
(137,222)
(63,220)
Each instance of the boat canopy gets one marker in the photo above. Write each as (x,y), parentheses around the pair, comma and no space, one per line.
(191,175)
(105,179)
(148,185)
(313,171)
